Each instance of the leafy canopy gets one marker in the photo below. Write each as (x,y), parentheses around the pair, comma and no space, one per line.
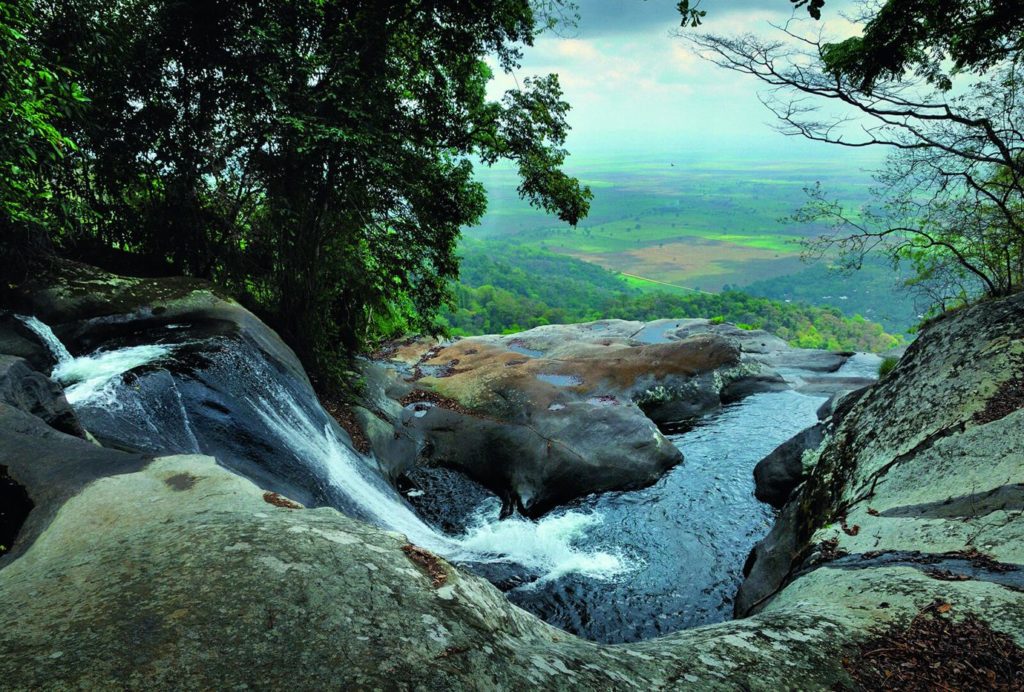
(33,95)
(314,155)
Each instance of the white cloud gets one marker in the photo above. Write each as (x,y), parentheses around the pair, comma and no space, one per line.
(643,86)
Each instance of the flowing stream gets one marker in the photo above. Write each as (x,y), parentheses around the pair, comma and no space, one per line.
(613,567)
(219,396)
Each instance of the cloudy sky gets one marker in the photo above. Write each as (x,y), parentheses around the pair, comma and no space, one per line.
(635,86)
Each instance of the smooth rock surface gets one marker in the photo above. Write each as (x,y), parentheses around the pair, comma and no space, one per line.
(918,491)
(181,575)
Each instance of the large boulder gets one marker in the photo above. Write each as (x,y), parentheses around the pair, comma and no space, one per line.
(36,394)
(89,308)
(779,473)
(183,575)
(917,486)
(548,415)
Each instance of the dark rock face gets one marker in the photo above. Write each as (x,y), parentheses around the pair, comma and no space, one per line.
(35,394)
(442,497)
(15,506)
(777,475)
(535,466)
(18,340)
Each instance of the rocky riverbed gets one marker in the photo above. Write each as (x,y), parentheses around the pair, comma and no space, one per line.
(158,566)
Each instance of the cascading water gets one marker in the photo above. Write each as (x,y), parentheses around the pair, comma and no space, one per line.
(50,340)
(545,545)
(613,567)
(219,397)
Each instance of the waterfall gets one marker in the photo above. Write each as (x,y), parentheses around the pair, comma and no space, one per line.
(255,418)
(546,546)
(89,377)
(43,331)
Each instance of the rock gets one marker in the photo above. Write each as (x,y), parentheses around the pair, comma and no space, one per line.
(221,364)
(51,466)
(176,572)
(839,403)
(444,498)
(779,473)
(560,411)
(548,415)
(18,340)
(35,394)
(15,506)
(547,461)
(212,586)
(88,308)
(916,484)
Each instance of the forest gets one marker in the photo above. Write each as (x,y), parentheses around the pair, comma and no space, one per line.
(505,288)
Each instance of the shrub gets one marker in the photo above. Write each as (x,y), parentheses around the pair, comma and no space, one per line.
(887,365)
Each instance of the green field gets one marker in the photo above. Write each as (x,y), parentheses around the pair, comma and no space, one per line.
(697,224)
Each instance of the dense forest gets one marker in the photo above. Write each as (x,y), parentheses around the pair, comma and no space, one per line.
(877,291)
(311,156)
(505,288)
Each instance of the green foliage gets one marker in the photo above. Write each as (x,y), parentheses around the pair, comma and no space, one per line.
(875,291)
(924,36)
(887,365)
(950,199)
(33,95)
(312,155)
(505,288)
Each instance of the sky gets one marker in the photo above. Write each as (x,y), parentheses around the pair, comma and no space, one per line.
(637,88)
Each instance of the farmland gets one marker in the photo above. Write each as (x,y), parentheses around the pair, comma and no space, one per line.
(698,224)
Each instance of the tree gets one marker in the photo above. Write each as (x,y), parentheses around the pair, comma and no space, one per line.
(33,94)
(950,196)
(925,36)
(313,155)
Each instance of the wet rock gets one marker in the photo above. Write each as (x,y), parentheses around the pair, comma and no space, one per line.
(18,340)
(446,499)
(36,394)
(779,473)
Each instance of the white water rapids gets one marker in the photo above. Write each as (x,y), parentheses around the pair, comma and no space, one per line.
(94,383)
